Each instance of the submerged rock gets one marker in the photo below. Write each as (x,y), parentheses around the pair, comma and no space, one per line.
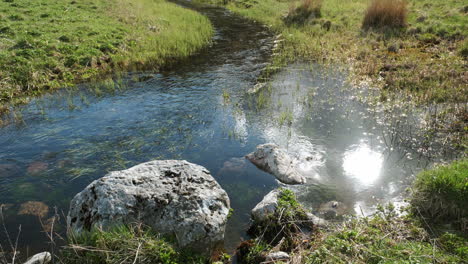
(37,167)
(270,158)
(40,258)
(9,170)
(35,208)
(176,198)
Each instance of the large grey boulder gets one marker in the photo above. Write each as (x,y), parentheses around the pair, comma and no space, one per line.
(173,197)
(40,258)
(274,160)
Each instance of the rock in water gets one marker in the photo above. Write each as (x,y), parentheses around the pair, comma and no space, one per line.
(272,159)
(173,197)
(269,204)
(266,207)
(41,258)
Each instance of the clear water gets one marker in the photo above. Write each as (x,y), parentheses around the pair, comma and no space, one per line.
(200,111)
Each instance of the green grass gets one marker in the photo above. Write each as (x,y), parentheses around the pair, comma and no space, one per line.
(428,71)
(124,244)
(384,238)
(441,194)
(50,44)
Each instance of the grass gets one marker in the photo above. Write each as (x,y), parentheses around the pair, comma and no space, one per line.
(384,238)
(124,244)
(50,44)
(425,61)
(386,14)
(441,194)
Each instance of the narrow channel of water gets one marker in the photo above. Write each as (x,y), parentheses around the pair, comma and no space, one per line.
(200,111)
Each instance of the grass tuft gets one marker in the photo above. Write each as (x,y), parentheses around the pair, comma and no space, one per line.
(307,9)
(382,14)
(441,194)
(124,244)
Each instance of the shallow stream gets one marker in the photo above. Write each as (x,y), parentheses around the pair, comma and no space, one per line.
(200,111)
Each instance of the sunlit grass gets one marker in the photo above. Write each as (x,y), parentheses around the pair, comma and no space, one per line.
(426,71)
(50,44)
(441,194)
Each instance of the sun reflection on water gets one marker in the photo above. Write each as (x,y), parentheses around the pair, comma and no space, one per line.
(362,163)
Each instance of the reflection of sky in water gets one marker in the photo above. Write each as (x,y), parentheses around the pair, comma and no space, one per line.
(362,163)
(336,140)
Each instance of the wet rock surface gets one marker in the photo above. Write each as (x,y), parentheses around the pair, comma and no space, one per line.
(274,160)
(175,198)
(269,204)
(276,256)
(266,207)
(40,258)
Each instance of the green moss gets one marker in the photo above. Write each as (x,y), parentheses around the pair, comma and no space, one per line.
(441,194)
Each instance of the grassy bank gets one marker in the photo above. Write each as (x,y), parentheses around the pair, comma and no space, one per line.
(49,44)
(420,49)
(432,231)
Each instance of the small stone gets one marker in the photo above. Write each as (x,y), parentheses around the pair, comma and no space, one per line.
(276,256)
(40,258)
(37,167)
(266,207)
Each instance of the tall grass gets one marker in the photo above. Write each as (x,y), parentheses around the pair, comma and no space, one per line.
(385,14)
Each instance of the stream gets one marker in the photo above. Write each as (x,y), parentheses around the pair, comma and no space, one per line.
(201,111)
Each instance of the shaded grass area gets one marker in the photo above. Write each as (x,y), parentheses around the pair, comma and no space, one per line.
(424,59)
(49,44)
(441,195)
